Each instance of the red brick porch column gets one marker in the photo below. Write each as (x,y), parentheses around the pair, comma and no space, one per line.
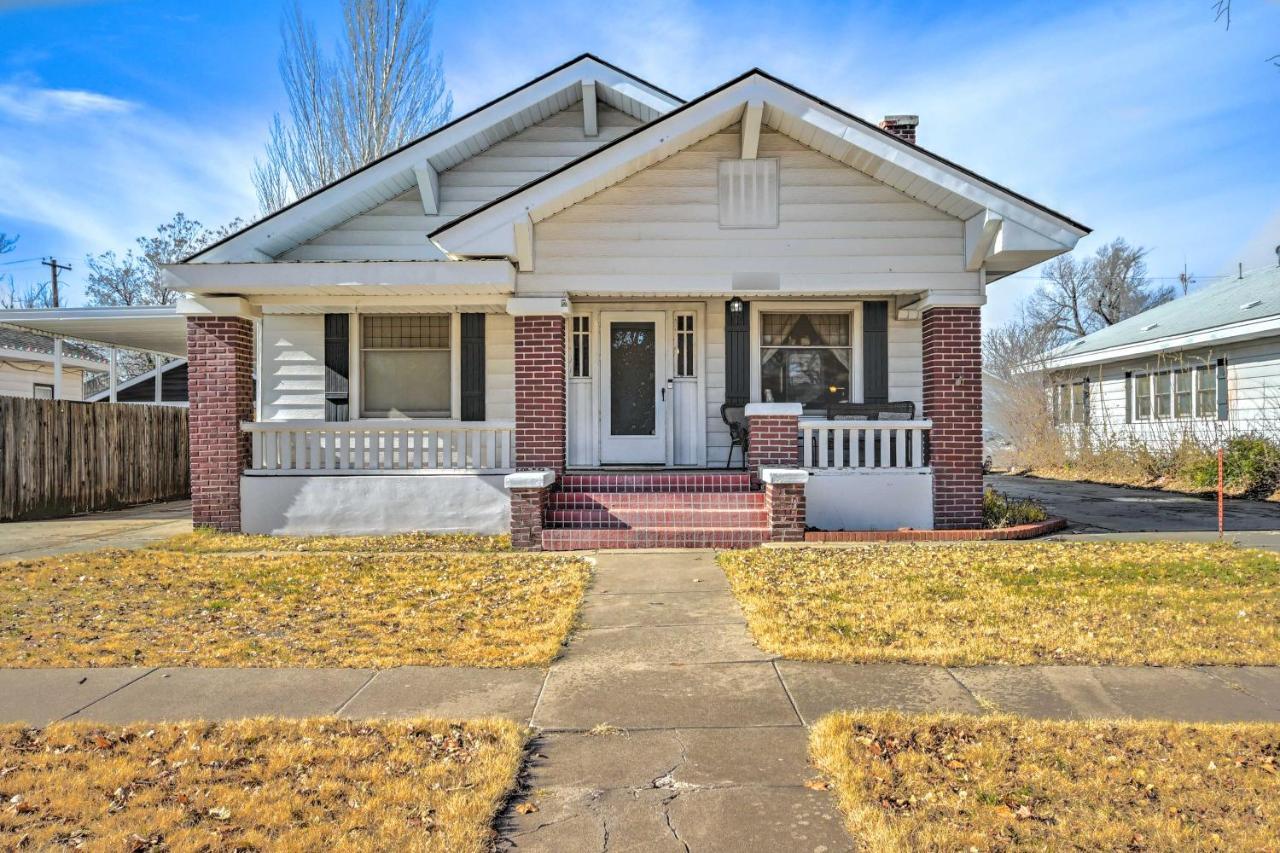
(953,401)
(773,439)
(540,393)
(530,491)
(784,501)
(220,391)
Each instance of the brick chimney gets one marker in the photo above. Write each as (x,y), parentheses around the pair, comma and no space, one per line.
(903,127)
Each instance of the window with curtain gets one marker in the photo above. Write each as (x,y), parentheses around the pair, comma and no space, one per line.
(806,358)
(405,365)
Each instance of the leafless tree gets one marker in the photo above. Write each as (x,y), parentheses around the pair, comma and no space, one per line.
(134,278)
(1222,14)
(35,296)
(383,88)
(1082,296)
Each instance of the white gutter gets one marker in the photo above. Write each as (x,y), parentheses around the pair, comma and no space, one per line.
(1246,330)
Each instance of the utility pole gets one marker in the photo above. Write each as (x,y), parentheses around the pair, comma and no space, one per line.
(54,266)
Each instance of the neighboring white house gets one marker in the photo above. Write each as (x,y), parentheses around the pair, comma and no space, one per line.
(495,326)
(1205,366)
(29,366)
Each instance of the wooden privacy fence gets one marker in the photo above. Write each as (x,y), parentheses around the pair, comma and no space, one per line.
(59,457)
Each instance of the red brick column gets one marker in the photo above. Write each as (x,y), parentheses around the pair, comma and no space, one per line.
(785,505)
(540,393)
(774,436)
(530,491)
(953,401)
(220,390)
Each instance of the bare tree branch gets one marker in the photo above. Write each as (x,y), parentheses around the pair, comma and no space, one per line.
(383,89)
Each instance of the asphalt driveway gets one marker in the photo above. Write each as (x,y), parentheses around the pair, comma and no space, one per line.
(1113,512)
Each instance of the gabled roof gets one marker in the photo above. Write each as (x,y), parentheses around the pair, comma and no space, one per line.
(1239,309)
(446,146)
(1009,231)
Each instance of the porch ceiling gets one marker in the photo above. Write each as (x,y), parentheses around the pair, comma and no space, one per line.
(147,328)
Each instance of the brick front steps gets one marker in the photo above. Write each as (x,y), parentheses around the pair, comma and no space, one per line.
(655,510)
(1019,531)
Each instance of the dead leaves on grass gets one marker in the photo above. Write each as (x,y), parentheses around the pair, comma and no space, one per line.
(1018,603)
(161,608)
(910,782)
(257,784)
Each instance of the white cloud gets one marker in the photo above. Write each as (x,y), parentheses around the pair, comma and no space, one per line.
(116,172)
(39,105)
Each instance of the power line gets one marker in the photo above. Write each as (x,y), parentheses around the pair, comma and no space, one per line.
(54,266)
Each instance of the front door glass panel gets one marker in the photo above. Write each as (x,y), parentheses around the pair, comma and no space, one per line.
(632,379)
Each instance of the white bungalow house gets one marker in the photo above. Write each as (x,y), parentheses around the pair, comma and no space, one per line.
(544,316)
(1205,367)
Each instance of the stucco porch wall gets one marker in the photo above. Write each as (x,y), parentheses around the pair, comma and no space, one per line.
(869,500)
(373,504)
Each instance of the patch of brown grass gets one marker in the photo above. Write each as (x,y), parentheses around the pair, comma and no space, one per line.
(950,782)
(162,608)
(202,540)
(1021,603)
(421,785)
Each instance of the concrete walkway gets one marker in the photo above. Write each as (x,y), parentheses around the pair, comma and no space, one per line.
(125,528)
(662,727)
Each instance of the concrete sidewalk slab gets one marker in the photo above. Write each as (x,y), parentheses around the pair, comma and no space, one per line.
(820,688)
(588,820)
(645,697)
(1180,694)
(775,757)
(1261,682)
(42,696)
(623,610)
(656,571)
(227,694)
(414,691)
(1044,692)
(605,648)
(126,528)
(730,820)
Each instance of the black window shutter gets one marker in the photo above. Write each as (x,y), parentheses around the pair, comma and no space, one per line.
(737,354)
(337,367)
(472,356)
(1222,389)
(875,352)
(1085,399)
(1128,396)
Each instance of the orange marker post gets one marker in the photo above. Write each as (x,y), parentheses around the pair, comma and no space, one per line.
(1220,526)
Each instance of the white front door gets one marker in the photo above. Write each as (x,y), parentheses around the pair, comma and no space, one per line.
(635,387)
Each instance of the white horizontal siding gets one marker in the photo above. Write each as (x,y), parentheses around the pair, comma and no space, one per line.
(1253,394)
(397,230)
(500,367)
(17,379)
(658,231)
(293,367)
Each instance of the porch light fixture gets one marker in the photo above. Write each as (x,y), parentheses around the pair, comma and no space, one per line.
(736,305)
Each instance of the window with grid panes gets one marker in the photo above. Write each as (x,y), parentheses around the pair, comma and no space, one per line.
(405,365)
(806,358)
(580,348)
(1183,393)
(685,346)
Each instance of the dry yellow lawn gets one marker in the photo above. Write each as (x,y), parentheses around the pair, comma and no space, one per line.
(949,782)
(202,540)
(1019,603)
(257,785)
(158,608)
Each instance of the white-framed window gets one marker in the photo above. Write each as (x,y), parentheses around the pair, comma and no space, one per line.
(580,348)
(406,365)
(686,364)
(1080,402)
(1206,392)
(806,357)
(41,391)
(1142,397)
(1163,393)
(1183,393)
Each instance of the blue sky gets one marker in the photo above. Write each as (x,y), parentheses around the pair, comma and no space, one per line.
(1145,120)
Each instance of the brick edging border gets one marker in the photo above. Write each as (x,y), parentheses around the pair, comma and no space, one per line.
(1018,531)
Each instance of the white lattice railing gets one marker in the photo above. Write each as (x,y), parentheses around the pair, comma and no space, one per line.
(286,447)
(856,445)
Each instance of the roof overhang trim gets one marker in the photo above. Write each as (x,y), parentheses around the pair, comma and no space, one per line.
(146,328)
(328,278)
(1261,327)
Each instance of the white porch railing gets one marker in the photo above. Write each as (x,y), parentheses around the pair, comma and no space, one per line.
(855,445)
(365,446)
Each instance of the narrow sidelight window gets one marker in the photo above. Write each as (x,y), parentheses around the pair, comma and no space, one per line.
(406,365)
(685,346)
(580,358)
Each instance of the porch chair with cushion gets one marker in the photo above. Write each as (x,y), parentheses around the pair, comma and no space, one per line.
(734,416)
(898,410)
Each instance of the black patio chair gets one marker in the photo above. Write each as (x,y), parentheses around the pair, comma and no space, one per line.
(734,416)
